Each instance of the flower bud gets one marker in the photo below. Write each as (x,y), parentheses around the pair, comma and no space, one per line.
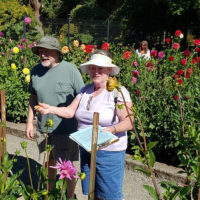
(49,123)
(111,84)
(82,176)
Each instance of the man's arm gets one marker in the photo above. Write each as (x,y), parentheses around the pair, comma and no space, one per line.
(29,125)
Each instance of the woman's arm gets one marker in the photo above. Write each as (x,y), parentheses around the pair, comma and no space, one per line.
(124,121)
(65,112)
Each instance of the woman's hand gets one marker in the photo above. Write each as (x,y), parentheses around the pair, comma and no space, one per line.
(43,108)
(110,129)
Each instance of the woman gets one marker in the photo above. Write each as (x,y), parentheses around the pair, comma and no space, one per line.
(143,50)
(95,98)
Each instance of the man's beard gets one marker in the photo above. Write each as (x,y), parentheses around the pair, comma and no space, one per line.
(46,63)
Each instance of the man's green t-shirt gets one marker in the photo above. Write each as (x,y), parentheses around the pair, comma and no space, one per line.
(56,86)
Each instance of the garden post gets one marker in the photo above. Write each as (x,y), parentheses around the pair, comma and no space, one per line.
(69,31)
(108,30)
(3,124)
(93,155)
(24,27)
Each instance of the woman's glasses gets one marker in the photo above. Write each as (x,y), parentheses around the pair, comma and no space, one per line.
(89,103)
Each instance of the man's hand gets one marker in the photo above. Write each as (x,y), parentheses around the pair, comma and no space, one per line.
(29,130)
(43,108)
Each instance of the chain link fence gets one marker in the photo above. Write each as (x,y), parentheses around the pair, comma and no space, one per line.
(85,31)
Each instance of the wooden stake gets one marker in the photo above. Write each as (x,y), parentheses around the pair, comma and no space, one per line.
(93,156)
(3,122)
(0,146)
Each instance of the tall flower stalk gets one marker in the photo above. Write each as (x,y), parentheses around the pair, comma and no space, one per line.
(24,146)
(67,171)
(150,160)
(49,123)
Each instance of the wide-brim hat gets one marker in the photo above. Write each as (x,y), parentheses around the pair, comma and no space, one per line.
(47,42)
(100,61)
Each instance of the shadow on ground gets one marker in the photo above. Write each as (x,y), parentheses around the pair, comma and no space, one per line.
(22,164)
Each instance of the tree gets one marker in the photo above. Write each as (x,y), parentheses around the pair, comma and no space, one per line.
(12,14)
(142,18)
(37,6)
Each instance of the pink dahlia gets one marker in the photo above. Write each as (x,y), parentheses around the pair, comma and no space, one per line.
(2,34)
(23,39)
(134,80)
(160,54)
(67,169)
(27,20)
(135,73)
(135,63)
(176,46)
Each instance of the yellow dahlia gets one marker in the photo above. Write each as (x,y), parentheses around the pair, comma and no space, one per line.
(82,47)
(27,79)
(26,71)
(76,43)
(16,50)
(65,50)
(13,66)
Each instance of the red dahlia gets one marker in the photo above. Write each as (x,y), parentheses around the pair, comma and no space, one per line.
(178,33)
(176,76)
(138,92)
(196,42)
(186,53)
(149,64)
(88,48)
(197,50)
(183,62)
(176,46)
(180,72)
(180,81)
(153,53)
(171,58)
(175,97)
(127,55)
(105,46)
(167,40)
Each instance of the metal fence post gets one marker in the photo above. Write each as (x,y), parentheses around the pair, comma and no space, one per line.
(69,31)
(24,27)
(108,30)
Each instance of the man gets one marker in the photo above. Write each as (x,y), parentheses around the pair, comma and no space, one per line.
(55,82)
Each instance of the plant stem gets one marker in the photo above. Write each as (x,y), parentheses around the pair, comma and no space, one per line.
(181,111)
(47,163)
(62,191)
(144,149)
(198,179)
(29,169)
(133,125)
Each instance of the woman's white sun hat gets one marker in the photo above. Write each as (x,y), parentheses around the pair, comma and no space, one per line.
(100,61)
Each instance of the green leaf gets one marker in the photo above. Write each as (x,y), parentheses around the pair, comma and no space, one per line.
(152,158)
(151,191)
(142,170)
(151,145)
